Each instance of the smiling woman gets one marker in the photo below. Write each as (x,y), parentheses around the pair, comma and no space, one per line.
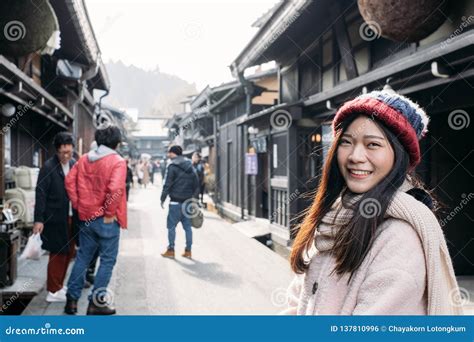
(365,155)
(370,244)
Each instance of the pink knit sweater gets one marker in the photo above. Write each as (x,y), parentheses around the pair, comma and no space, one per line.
(393,278)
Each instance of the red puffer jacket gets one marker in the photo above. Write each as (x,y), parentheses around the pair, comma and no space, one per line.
(97,188)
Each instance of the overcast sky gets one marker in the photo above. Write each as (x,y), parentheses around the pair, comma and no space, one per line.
(195,40)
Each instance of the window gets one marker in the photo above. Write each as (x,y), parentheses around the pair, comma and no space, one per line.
(281,154)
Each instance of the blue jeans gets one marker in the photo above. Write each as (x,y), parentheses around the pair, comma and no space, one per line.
(94,236)
(176,214)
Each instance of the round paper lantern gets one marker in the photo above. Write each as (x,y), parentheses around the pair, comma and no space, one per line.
(403,20)
(25,26)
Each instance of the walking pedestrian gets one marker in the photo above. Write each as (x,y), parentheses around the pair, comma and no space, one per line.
(146,173)
(152,169)
(181,184)
(129,179)
(53,215)
(96,187)
(139,170)
(163,169)
(370,243)
(199,167)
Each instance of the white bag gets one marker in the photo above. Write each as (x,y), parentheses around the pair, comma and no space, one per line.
(33,248)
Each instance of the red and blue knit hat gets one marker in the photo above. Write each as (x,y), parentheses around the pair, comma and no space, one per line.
(405,118)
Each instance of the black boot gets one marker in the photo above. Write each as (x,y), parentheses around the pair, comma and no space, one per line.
(90,277)
(71,306)
(100,307)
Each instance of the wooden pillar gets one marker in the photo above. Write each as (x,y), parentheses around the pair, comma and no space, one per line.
(2,160)
(292,203)
(293,165)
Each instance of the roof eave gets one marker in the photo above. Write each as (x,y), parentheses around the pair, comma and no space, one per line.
(281,19)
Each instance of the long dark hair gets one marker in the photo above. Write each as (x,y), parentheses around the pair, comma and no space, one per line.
(352,241)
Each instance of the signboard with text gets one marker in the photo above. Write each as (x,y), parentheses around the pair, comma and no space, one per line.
(251,164)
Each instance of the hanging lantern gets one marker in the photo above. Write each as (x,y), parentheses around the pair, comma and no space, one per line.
(27,26)
(403,20)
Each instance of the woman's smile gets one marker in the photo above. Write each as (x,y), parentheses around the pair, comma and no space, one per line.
(364,155)
(359,174)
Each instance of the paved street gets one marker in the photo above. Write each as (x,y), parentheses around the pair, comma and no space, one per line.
(229,274)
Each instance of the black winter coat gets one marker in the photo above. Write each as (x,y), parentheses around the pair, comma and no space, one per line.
(181,180)
(52,207)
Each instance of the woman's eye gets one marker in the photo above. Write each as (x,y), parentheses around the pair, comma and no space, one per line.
(373,145)
(344,142)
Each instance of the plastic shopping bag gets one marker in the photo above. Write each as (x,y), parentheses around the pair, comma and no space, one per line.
(33,248)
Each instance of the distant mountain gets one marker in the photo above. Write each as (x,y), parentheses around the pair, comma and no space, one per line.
(154,93)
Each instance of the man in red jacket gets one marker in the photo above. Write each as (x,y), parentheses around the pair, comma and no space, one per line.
(96,188)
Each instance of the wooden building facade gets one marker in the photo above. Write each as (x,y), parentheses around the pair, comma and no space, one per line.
(326,54)
(47,87)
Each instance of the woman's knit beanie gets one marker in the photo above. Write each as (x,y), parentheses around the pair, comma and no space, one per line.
(403,117)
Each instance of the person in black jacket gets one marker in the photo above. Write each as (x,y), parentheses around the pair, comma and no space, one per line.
(181,184)
(199,167)
(129,179)
(54,215)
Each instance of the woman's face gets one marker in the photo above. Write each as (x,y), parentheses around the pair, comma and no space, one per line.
(364,155)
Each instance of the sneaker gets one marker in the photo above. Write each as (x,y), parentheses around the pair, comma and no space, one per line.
(187,254)
(64,290)
(168,254)
(55,297)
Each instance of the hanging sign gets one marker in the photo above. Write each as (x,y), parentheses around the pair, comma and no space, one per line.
(251,164)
